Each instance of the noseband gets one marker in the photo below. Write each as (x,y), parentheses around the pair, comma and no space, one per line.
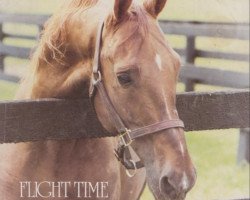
(126,135)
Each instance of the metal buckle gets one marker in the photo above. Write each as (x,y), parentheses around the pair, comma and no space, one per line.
(96,77)
(126,138)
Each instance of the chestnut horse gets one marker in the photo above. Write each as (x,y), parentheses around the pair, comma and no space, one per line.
(140,72)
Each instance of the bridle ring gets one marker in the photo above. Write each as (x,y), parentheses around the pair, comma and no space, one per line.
(96,77)
(130,175)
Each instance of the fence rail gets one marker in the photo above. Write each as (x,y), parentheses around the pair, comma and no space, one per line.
(23,18)
(191,30)
(214,77)
(7,77)
(207,29)
(24,121)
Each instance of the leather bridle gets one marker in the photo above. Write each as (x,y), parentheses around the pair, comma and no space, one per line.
(126,135)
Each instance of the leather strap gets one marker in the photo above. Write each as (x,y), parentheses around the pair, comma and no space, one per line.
(115,118)
(96,61)
(97,83)
(153,128)
(124,156)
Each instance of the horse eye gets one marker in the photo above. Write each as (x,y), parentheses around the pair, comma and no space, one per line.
(124,79)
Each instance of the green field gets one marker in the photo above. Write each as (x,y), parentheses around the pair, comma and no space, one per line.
(213,152)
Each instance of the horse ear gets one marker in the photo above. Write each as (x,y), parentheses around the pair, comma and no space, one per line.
(154,7)
(121,7)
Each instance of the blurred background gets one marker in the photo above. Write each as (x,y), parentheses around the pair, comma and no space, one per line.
(213,152)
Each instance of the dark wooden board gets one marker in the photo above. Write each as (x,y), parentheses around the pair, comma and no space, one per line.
(203,22)
(216,110)
(22,121)
(7,77)
(219,30)
(222,55)
(48,118)
(13,51)
(215,77)
(23,18)
(19,36)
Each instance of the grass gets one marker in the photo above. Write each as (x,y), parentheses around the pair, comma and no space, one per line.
(7,90)
(218,176)
(213,152)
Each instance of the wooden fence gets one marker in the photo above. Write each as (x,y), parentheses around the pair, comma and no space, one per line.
(23,121)
(17,51)
(192,74)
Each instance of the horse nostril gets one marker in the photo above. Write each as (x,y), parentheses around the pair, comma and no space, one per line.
(168,188)
(176,185)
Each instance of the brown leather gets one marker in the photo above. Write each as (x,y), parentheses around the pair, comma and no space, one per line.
(96,61)
(116,120)
(153,128)
(127,136)
(123,155)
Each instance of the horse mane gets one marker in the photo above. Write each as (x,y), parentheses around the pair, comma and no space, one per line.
(53,45)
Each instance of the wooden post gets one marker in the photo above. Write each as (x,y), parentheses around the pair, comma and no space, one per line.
(190,58)
(1,56)
(40,29)
(244,146)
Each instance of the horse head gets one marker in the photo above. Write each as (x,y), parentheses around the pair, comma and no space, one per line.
(140,72)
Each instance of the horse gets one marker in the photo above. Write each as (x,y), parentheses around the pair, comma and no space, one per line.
(139,71)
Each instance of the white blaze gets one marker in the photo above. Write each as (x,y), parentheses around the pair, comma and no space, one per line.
(184,182)
(158,61)
(182,148)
